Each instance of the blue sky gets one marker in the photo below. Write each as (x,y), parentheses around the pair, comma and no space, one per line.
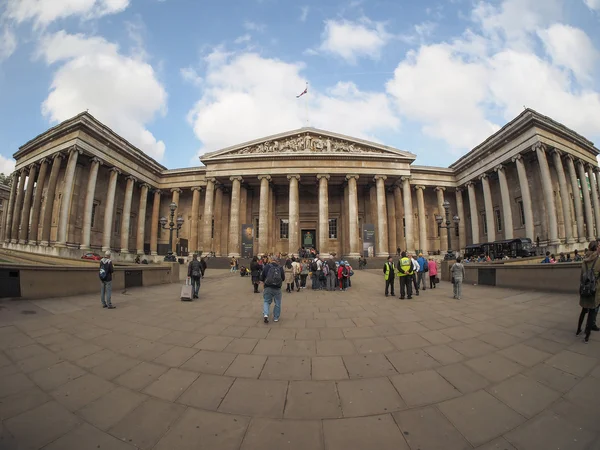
(179,78)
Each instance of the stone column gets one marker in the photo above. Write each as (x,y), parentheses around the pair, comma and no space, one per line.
(25,214)
(564,196)
(353,216)
(540,150)
(11,206)
(175,199)
(109,209)
(86,232)
(141,225)
(587,203)
(18,208)
(155,223)
(323,211)
(400,241)
(489,208)
(67,195)
(126,218)
(194,221)
(244,205)
(209,199)
(525,196)
(408,214)
(442,212)
(579,218)
(506,202)
(37,202)
(294,217)
(391,221)
(597,173)
(460,211)
(218,212)
(474,213)
(234,217)
(595,200)
(422,219)
(49,199)
(382,226)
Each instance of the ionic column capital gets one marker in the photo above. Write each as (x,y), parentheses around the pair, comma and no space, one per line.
(157,192)
(468,184)
(405,178)
(570,157)
(459,190)
(499,167)
(539,146)
(322,175)
(294,175)
(42,161)
(440,188)
(75,149)
(58,155)
(264,177)
(556,151)
(351,176)
(380,177)
(211,180)
(238,178)
(516,158)
(197,188)
(116,170)
(131,177)
(95,159)
(145,185)
(178,190)
(589,166)
(419,187)
(483,176)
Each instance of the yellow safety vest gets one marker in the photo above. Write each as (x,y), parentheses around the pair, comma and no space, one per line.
(406,266)
(387,270)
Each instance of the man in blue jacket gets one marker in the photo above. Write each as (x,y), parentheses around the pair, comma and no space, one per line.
(423,268)
(272,276)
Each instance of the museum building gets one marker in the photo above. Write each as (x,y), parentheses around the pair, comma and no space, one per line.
(79,187)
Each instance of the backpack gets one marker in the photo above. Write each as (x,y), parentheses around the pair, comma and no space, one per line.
(345,272)
(587,284)
(325,269)
(313,266)
(274,276)
(103,271)
(425,266)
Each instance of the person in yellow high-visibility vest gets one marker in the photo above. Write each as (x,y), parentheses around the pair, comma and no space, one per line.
(389,273)
(405,272)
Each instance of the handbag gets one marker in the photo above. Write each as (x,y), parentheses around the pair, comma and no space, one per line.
(437,280)
(452,280)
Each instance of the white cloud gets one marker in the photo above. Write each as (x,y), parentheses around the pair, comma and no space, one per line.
(7,165)
(258,95)
(119,90)
(253,26)
(8,43)
(353,40)
(190,75)
(304,10)
(571,48)
(243,39)
(43,12)
(593,4)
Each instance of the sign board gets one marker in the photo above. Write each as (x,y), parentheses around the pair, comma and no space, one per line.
(368,240)
(247,240)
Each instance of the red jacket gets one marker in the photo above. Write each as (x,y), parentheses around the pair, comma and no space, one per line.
(339,274)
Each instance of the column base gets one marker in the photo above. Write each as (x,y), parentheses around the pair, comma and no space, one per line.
(554,242)
(32,243)
(139,252)
(23,241)
(60,245)
(234,255)
(124,251)
(106,249)
(356,255)
(44,243)
(581,240)
(14,241)
(571,240)
(153,253)
(381,254)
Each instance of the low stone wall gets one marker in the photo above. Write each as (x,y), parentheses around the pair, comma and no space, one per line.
(542,277)
(39,282)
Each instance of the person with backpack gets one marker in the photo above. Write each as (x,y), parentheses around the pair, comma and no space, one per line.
(255,269)
(203,266)
(389,271)
(314,268)
(433,272)
(458,274)
(423,269)
(589,292)
(106,271)
(272,276)
(350,273)
(405,271)
(331,273)
(195,273)
(323,274)
(415,273)
(289,276)
(304,269)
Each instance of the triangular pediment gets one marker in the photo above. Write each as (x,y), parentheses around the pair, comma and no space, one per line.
(308,141)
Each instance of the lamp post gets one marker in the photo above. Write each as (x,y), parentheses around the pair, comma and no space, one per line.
(172,225)
(448,226)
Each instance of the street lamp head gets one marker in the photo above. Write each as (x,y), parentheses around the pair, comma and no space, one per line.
(163,221)
(173,206)
(446,204)
(439,219)
(179,222)
(456,219)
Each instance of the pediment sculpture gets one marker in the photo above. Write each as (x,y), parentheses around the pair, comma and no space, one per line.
(305,143)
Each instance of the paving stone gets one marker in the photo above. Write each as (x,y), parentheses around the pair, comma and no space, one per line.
(444,354)
(299,348)
(331,333)
(56,375)
(26,352)
(22,401)
(310,334)
(552,377)
(411,361)
(272,434)
(78,352)
(435,337)
(339,323)
(182,338)
(109,409)
(176,356)
(524,395)
(472,348)
(79,392)
(335,347)
(499,339)
(427,428)
(247,366)
(460,333)
(14,383)
(38,362)
(362,321)
(209,362)
(584,416)
(312,400)
(214,343)
(286,368)
(268,347)
(258,398)
(147,423)
(203,429)
(524,355)
(86,437)
(572,363)
(408,341)
(544,345)
(358,332)
(170,385)
(234,331)
(206,392)
(480,417)
(40,426)
(141,375)
(328,368)
(114,366)
(494,367)
(281,333)
(423,388)
(375,432)
(368,366)
(497,444)
(257,333)
(241,345)
(547,431)
(463,378)
(586,393)
(373,345)
(369,396)
(95,359)
(410,328)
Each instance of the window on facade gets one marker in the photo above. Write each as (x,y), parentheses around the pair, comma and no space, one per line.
(333,229)
(256,228)
(284,228)
(118,222)
(212,229)
(94,209)
(498,220)
(521,212)
(484,218)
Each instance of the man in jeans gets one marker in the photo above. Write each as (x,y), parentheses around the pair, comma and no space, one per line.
(332,275)
(272,276)
(195,273)
(106,271)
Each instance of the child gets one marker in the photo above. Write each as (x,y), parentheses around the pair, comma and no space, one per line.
(432,273)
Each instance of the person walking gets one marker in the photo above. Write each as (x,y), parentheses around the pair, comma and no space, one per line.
(203,266)
(255,273)
(106,271)
(232,264)
(297,269)
(195,273)
(314,268)
(405,271)
(414,276)
(389,273)
(272,276)
(304,270)
(432,273)
(288,270)
(423,270)
(458,274)
(589,291)
(331,273)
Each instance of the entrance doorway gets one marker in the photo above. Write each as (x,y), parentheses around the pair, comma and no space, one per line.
(309,238)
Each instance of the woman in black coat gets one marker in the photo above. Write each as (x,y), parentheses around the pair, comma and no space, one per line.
(255,273)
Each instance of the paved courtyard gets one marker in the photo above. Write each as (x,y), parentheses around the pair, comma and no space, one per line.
(500,369)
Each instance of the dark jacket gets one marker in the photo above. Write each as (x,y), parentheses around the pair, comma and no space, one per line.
(254,269)
(331,264)
(194,265)
(265,274)
(592,261)
(108,266)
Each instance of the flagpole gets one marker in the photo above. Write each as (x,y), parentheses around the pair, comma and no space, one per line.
(306,104)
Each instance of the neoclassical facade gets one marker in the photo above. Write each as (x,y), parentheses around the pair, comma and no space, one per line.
(79,186)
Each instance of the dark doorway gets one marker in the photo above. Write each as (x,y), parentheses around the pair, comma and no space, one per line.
(309,238)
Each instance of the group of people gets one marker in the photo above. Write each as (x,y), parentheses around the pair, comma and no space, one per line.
(551,259)
(413,271)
